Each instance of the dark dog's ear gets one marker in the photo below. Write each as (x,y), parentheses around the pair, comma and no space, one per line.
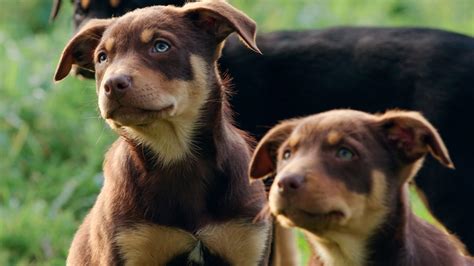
(263,160)
(55,10)
(221,19)
(413,136)
(80,49)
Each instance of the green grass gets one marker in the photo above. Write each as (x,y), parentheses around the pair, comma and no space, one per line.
(52,140)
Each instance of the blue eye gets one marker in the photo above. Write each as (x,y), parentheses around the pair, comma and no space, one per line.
(161,46)
(101,57)
(345,154)
(286,154)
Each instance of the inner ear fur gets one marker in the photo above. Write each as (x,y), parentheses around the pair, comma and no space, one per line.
(413,136)
(80,49)
(221,19)
(264,158)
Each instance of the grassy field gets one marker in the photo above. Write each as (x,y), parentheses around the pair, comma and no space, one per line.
(52,140)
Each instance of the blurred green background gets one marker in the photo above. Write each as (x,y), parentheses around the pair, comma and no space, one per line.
(52,140)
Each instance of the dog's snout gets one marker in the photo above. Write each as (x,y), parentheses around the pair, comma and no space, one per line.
(116,86)
(290,183)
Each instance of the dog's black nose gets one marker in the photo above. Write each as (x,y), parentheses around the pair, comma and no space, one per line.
(116,86)
(290,183)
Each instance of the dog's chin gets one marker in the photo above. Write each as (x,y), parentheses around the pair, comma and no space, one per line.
(137,117)
(315,221)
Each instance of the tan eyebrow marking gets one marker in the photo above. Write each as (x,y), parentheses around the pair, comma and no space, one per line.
(109,44)
(85,4)
(334,137)
(114,3)
(294,141)
(146,35)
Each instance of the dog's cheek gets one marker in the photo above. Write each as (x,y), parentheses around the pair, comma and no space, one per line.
(276,202)
(369,211)
(99,77)
(102,102)
(191,95)
(101,97)
(379,190)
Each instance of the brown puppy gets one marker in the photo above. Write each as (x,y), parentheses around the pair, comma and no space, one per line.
(342,176)
(176,190)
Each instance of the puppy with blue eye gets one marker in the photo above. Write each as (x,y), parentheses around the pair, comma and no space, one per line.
(342,176)
(176,189)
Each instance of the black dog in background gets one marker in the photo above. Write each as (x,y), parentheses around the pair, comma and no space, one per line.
(371,69)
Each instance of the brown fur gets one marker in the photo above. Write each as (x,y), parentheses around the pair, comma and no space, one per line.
(342,176)
(176,190)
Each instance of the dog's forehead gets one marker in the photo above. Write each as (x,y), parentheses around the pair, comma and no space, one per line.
(336,122)
(151,18)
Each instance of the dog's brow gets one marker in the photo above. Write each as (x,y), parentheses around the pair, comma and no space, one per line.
(109,44)
(146,35)
(150,33)
(114,3)
(85,4)
(293,141)
(334,137)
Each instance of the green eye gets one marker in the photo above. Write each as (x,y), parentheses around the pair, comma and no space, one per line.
(161,47)
(345,154)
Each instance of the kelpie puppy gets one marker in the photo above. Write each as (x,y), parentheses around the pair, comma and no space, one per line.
(342,176)
(176,190)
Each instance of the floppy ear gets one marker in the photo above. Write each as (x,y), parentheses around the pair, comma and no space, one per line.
(263,160)
(80,49)
(221,19)
(413,136)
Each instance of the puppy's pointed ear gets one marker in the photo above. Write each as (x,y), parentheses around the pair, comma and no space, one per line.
(221,19)
(80,49)
(413,136)
(264,158)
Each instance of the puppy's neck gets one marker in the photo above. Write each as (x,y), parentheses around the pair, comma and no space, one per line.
(405,239)
(339,249)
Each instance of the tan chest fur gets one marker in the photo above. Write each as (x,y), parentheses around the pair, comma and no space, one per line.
(237,242)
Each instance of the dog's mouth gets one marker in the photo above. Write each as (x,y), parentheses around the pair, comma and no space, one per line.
(140,117)
(334,215)
(310,220)
(296,209)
